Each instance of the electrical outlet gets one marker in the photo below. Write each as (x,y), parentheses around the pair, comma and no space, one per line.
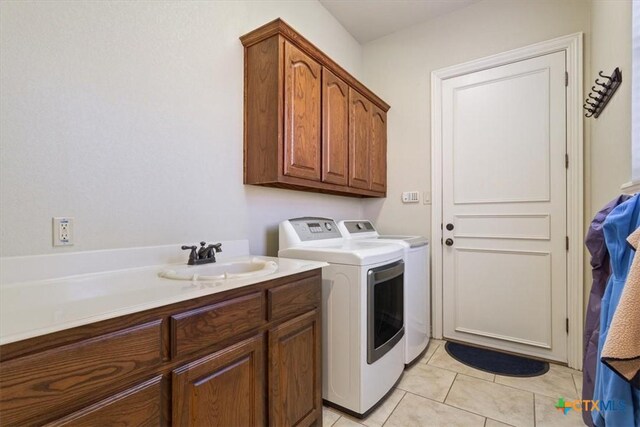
(62,231)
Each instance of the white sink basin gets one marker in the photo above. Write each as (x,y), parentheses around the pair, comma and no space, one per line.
(223,271)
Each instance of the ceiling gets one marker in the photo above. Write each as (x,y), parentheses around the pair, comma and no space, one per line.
(368,20)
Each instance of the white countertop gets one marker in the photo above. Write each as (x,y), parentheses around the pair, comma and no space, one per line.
(33,308)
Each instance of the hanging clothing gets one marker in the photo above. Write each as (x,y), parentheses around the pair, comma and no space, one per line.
(621,351)
(600,273)
(610,389)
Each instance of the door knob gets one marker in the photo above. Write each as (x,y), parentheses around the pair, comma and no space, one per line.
(448,242)
(449,226)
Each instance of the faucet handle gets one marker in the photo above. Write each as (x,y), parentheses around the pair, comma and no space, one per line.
(217,247)
(193,255)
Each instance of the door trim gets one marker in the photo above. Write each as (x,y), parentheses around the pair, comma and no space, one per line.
(572,46)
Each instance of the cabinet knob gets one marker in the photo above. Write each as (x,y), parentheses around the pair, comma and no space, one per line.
(448,242)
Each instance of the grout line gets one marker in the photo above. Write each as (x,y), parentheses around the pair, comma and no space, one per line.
(575,385)
(395,407)
(450,387)
(534,410)
(502,422)
(450,406)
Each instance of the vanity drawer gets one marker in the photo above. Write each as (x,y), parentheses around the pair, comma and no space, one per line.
(140,405)
(294,298)
(205,326)
(34,386)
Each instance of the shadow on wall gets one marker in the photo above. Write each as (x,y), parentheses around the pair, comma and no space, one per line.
(272,242)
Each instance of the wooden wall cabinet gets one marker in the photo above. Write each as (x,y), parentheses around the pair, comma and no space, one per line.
(308,124)
(246,357)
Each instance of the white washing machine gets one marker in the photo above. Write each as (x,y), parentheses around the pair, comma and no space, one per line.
(362,311)
(417,315)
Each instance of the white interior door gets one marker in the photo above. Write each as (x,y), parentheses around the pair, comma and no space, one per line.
(504,198)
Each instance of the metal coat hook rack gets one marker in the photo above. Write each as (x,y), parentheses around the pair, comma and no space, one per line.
(594,104)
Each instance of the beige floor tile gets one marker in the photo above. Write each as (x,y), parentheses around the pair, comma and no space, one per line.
(428,381)
(431,348)
(548,416)
(420,412)
(329,417)
(378,417)
(346,422)
(492,400)
(577,380)
(441,359)
(562,368)
(494,423)
(436,342)
(557,382)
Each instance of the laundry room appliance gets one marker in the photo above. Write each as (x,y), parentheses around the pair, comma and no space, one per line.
(362,311)
(417,312)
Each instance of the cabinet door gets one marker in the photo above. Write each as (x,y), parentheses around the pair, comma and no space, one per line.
(335,129)
(295,376)
(301,114)
(225,388)
(140,405)
(359,134)
(378,150)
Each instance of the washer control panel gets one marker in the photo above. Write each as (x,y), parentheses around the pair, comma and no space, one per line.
(310,228)
(354,227)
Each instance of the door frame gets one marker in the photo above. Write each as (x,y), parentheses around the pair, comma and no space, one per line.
(572,46)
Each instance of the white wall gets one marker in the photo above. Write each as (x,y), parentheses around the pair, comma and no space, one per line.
(398,68)
(610,154)
(128,117)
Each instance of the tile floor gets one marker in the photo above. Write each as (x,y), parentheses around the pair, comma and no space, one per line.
(440,391)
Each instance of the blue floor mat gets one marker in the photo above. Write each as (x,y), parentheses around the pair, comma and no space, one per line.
(495,361)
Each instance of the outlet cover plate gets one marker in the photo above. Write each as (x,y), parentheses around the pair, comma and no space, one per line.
(62,231)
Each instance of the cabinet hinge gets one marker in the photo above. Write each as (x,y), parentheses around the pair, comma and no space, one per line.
(567,239)
(566,161)
(441,242)
(567,324)
(566,79)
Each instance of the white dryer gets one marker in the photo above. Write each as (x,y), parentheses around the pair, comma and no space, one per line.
(362,311)
(417,315)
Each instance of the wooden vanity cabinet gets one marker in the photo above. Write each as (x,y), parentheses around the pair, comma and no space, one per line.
(301,128)
(246,357)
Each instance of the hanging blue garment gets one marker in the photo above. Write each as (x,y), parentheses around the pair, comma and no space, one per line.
(619,401)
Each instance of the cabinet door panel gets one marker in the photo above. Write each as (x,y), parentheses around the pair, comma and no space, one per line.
(223,389)
(302,114)
(359,134)
(335,129)
(295,388)
(378,149)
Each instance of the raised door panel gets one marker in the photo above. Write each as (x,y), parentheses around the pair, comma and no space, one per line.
(359,134)
(335,129)
(140,405)
(378,150)
(223,389)
(295,382)
(302,85)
